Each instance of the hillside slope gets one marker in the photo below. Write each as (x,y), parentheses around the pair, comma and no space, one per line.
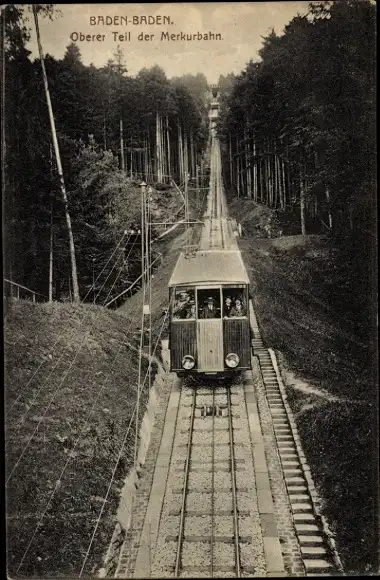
(71,376)
(306,312)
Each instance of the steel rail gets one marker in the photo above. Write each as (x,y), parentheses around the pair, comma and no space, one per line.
(184,492)
(234,498)
(212,482)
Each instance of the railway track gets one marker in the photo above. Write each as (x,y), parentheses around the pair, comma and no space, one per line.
(215,541)
(210,501)
(210,523)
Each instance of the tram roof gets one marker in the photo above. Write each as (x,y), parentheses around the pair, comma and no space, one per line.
(210,266)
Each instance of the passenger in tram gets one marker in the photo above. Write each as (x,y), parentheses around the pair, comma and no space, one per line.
(192,310)
(209,310)
(181,306)
(238,308)
(227,306)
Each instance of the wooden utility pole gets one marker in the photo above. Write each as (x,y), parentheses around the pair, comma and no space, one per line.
(187,208)
(121,69)
(143,315)
(197,184)
(59,165)
(51,257)
(7,254)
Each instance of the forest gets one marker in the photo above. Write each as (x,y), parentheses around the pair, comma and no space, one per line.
(298,130)
(113,130)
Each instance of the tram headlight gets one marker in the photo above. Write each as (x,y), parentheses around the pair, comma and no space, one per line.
(188,362)
(232,360)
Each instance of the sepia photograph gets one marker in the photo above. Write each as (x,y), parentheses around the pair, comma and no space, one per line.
(190,352)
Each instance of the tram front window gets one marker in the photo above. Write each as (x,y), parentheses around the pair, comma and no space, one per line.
(234,303)
(184,304)
(208,304)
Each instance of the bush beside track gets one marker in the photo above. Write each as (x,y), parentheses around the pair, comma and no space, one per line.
(304,303)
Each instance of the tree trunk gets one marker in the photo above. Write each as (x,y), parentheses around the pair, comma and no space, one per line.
(122,161)
(105,134)
(283,184)
(131,157)
(59,165)
(328,208)
(51,257)
(162,151)
(180,153)
(254,172)
(168,147)
(230,160)
(192,157)
(247,165)
(185,154)
(237,167)
(302,204)
(158,144)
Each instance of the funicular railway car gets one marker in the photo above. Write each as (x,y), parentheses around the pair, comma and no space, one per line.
(209,314)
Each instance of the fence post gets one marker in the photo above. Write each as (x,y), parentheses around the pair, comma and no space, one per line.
(34,297)
(18,292)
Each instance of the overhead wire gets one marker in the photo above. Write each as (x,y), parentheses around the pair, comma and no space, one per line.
(79,438)
(30,406)
(23,389)
(120,452)
(51,400)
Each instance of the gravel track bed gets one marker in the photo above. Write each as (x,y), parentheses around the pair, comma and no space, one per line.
(203,423)
(246,527)
(252,555)
(199,573)
(172,502)
(222,437)
(223,525)
(198,501)
(240,453)
(202,438)
(162,573)
(210,390)
(181,439)
(198,480)
(185,424)
(201,454)
(244,501)
(196,554)
(222,453)
(222,480)
(219,399)
(184,413)
(241,436)
(176,479)
(244,479)
(199,553)
(241,422)
(165,555)
(222,500)
(224,554)
(198,526)
(186,390)
(171,527)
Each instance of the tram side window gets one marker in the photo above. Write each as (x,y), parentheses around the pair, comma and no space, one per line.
(208,303)
(234,305)
(184,304)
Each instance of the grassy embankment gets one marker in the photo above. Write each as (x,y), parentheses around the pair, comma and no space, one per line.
(65,432)
(306,312)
